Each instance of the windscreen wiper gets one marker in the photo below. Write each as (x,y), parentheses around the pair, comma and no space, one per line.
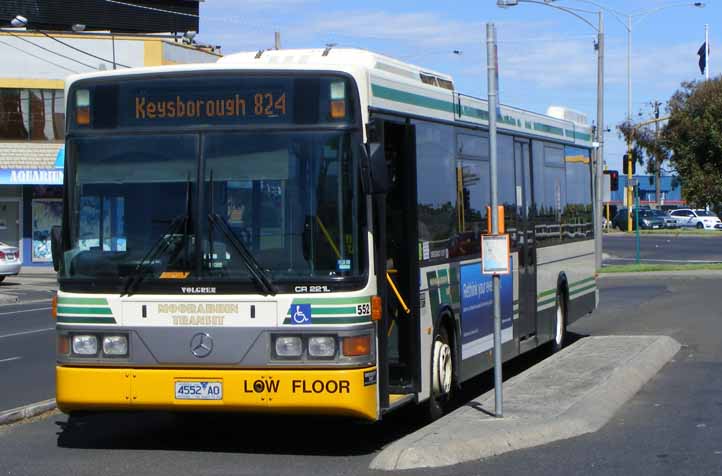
(162,244)
(158,248)
(260,276)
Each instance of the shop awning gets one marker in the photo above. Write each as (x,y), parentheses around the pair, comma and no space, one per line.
(31,163)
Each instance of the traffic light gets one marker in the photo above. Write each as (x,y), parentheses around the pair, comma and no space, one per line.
(626,164)
(613,179)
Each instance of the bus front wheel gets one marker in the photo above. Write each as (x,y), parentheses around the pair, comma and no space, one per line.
(442,368)
(560,323)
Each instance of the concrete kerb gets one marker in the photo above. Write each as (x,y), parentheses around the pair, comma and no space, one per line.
(468,435)
(27,411)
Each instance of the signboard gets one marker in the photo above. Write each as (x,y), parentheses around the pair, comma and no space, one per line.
(495,254)
(31,176)
(477,310)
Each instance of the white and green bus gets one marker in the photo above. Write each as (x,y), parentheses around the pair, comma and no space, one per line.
(299,231)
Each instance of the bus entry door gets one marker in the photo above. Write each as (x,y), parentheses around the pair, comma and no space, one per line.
(525,241)
(402,260)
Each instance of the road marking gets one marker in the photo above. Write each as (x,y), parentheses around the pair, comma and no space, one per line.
(47,329)
(25,310)
(11,358)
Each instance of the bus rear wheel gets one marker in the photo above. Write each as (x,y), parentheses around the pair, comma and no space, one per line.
(442,374)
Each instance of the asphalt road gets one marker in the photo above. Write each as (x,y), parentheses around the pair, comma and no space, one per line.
(673,426)
(620,248)
(27,354)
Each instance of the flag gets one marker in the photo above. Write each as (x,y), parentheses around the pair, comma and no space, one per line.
(702,57)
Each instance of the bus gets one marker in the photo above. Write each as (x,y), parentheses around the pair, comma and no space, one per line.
(298,231)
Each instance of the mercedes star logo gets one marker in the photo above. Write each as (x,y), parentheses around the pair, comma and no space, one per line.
(201,345)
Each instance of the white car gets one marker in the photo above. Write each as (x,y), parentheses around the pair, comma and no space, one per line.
(700,219)
(9,260)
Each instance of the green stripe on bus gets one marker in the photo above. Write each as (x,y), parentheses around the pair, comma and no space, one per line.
(410,98)
(325,311)
(85,310)
(582,290)
(546,293)
(581,282)
(548,301)
(335,320)
(85,320)
(82,300)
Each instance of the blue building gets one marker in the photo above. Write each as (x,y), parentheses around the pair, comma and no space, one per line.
(671,190)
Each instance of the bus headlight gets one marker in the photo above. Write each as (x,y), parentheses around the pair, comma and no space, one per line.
(115,345)
(85,345)
(288,346)
(322,346)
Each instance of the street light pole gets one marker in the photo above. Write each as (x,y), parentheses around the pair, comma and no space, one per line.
(599,152)
(598,168)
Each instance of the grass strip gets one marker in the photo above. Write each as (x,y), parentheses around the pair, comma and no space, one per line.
(648,268)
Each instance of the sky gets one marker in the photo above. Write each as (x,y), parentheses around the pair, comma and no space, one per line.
(546,56)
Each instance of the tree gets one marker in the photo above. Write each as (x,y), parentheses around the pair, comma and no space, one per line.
(694,136)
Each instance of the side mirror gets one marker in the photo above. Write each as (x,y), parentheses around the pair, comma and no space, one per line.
(56,245)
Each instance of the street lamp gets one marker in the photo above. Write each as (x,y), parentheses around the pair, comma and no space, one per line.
(628,26)
(599,152)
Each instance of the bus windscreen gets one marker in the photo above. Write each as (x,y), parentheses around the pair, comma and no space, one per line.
(220,100)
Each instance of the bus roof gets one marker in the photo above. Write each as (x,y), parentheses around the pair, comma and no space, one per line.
(386,84)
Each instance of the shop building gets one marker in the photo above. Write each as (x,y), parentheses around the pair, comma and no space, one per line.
(32,118)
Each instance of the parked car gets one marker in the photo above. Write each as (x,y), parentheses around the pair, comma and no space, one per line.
(669,222)
(700,219)
(648,220)
(9,261)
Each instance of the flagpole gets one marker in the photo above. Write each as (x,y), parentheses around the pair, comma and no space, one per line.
(706,51)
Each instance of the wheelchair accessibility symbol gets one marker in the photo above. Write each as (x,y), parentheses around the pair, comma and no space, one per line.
(301,314)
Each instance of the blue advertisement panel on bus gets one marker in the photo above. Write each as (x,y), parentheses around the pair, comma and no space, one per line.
(477,311)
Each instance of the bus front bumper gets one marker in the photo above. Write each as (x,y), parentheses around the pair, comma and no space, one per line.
(333,392)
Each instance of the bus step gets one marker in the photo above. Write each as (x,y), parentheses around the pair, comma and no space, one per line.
(397,400)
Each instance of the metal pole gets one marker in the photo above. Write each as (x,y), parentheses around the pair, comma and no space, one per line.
(491,62)
(657,162)
(706,51)
(112,39)
(636,223)
(600,149)
(277,40)
(628,190)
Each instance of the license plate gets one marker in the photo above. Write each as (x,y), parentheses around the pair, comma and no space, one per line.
(199,390)
(655,226)
(10,257)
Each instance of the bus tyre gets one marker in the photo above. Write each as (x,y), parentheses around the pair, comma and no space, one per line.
(560,324)
(442,374)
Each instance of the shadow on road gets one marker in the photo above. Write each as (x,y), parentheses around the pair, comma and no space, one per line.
(265,434)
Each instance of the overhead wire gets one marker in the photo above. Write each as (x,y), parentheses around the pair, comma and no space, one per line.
(38,57)
(83,51)
(51,51)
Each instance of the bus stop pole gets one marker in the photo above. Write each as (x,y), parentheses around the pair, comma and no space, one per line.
(492,74)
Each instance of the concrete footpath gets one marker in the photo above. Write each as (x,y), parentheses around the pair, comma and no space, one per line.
(573,392)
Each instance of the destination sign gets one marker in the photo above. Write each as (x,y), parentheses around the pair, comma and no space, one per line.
(226,100)
(260,104)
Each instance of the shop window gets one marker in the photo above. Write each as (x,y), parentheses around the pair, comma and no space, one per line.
(32,114)
(47,212)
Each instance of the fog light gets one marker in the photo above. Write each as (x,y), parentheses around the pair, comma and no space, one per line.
(322,346)
(288,346)
(115,345)
(85,345)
